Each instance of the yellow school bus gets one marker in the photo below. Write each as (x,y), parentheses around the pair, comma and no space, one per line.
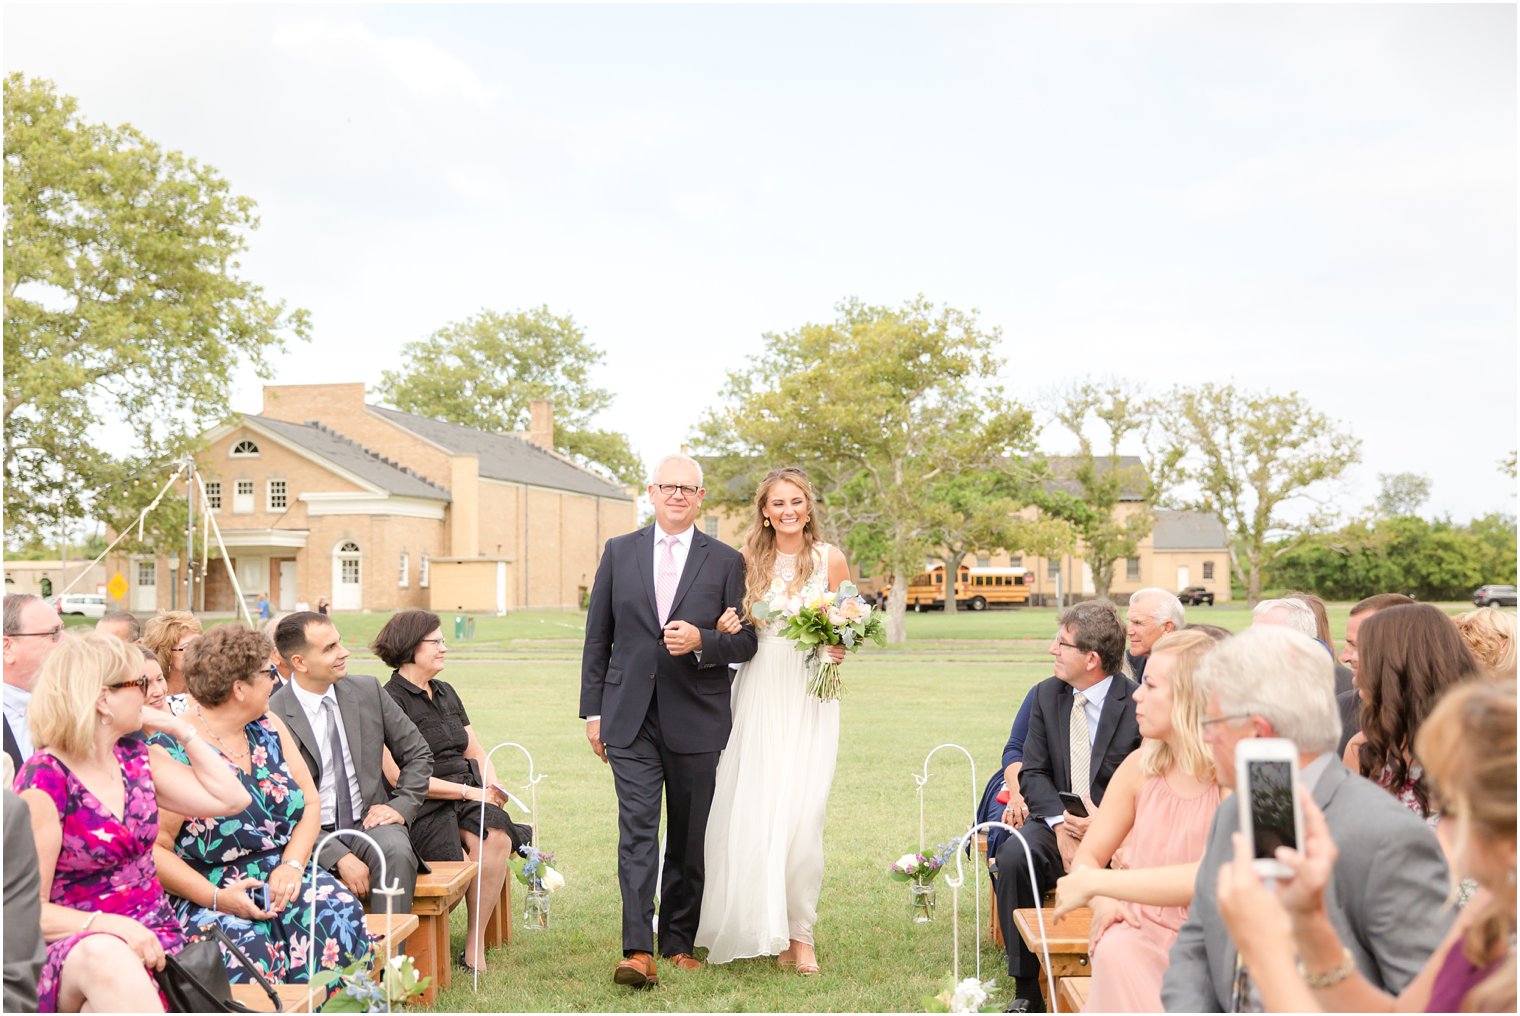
(978,588)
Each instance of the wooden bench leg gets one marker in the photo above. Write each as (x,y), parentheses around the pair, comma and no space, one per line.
(425,955)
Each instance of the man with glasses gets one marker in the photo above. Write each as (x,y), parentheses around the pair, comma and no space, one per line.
(32,631)
(1081,727)
(655,697)
(1388,888)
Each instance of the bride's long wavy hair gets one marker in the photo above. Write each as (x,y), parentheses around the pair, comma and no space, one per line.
(760,541)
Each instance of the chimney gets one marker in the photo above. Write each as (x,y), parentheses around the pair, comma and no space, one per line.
(541,424)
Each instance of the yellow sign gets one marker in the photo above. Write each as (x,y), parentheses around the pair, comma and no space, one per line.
(117,587)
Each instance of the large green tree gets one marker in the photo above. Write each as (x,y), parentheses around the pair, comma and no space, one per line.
(1249,455)
(485,370)
(125,308)
(1118,413)
(880,405)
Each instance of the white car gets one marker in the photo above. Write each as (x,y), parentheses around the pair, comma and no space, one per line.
(82,604)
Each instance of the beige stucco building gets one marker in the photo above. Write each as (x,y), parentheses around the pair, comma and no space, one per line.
(323,494)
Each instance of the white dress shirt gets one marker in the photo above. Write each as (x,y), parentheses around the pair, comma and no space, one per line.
(317,717)
(16,701)
(1094,710)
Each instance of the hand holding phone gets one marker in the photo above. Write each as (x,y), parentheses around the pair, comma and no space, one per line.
(1073,803)
(1271,814)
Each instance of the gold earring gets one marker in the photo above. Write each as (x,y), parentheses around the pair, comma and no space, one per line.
(767,523)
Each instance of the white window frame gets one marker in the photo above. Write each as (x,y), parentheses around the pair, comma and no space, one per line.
(242,504)
(244,449)
(422,572)
(406,569)
(214,494)
(269,494)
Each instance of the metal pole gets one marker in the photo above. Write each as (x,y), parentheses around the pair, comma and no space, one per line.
(190,535)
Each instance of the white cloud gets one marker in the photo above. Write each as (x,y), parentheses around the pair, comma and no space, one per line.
(425,69)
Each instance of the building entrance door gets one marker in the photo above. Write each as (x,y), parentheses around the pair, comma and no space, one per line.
(348,577)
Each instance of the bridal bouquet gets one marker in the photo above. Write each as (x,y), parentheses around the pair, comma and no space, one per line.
(840,618)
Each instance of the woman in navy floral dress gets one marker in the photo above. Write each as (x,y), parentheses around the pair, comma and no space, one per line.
(219,869)
(94,794)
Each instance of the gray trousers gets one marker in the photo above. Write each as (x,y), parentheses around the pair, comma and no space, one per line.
(400,864)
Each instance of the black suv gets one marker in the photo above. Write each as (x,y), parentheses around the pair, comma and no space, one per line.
(1194,595)
(1494,596)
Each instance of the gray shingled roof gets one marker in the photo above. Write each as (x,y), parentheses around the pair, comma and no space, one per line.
(1181,530)
(506,456)
(353,457)
(1063,467)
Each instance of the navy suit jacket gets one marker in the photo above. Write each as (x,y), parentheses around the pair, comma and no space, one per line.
(625,664)
(1047,753)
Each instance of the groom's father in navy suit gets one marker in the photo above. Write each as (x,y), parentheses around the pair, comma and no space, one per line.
(655,698)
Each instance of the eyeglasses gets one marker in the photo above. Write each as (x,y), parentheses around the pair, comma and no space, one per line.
(140,682)
(272,672)
(670,489)
(52,636)
(437,642)
(1225,719)
(1068,645)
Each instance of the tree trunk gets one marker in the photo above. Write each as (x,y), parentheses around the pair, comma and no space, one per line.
(1103,578)
(1253,588)
(897,609)
(952,572)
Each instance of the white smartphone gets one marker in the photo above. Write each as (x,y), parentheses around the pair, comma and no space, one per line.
(1266,778)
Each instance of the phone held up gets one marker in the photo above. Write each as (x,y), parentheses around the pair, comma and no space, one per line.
(1266,777)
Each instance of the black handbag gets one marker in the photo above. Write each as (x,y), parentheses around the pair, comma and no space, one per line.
(195,978)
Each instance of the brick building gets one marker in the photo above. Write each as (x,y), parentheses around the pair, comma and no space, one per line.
(323,494)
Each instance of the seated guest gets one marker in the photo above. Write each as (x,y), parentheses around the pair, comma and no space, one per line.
(1004,784)
(105,917)
(1162,801)
(158,685)
(218,869)
(343,723)
(1490,634)
(1271,682)
(1350,702)
(169,634)
(1409,656)
(121,624)
(1321,635)
(1151,614)
(24,951)
(1082,725)
(1213,631)
(447,825)
(279,666)
(32,631)
(1290,939)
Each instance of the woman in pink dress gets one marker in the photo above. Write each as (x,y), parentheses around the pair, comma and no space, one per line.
(1160,804)
(94,792)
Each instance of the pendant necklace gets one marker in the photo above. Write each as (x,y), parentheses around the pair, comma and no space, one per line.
(221,745)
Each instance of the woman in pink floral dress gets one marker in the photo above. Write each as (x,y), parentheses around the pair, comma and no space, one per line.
(93,793)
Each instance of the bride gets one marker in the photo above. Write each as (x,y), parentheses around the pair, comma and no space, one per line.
(765,832)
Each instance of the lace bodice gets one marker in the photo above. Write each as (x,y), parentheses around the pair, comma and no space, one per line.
(784,572)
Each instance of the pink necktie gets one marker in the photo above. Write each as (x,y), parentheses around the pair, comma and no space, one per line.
(665,582)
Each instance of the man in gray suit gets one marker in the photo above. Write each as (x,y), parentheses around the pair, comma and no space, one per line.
(342,721)
(24,951)
(1386,895)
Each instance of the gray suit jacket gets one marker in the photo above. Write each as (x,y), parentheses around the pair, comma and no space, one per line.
(1386,896)
(24,951)
(371,721)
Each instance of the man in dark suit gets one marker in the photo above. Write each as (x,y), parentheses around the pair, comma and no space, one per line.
(342,722)
(655,697)
(1081,727)
(32,631)
(24,951)
(1152,613)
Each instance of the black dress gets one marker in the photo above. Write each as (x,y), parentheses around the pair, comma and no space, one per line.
(441,719)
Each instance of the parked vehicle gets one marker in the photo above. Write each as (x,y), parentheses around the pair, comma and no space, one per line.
(1494,596)
(84,605)
(977,589)
(1194,595)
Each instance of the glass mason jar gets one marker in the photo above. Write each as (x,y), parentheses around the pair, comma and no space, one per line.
(536,910)
(921,901)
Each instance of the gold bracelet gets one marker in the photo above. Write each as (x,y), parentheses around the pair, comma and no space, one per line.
(1330,978)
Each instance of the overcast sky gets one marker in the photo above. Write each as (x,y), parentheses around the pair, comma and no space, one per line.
(1290,197)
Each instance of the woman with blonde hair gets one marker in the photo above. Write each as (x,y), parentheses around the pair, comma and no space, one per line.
(764,843)
(1161,800)
(94,792)
(1293,950)
(1490,634)
(169,634)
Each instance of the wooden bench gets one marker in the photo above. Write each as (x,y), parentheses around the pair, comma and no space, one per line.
(437,893)
(1073,993)
(402,926)
(1066,939)
(292,997)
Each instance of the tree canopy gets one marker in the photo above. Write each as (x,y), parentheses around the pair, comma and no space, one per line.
(882,406)
(484,372)
(125,307)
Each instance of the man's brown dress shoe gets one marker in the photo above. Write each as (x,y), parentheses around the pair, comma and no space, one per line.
(637,971)
(685,961)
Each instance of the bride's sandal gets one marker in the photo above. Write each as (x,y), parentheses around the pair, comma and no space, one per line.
(807,968)
(784,960)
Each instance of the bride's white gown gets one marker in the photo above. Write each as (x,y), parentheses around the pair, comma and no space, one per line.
(765,831)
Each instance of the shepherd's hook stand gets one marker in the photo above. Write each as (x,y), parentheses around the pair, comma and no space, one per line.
(480,861)
(388,890)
